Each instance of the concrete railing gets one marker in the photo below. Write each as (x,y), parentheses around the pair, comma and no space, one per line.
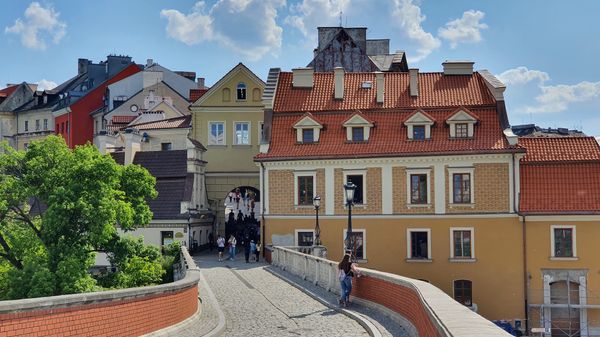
(123,312)
(421,308)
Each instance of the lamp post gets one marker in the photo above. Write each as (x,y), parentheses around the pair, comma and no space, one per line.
(349,189)
(317,204)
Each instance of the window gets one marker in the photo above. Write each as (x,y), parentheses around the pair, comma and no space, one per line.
(45,124)
(241,92)
(217,133)
(166,238)
(358,243)
(242,133)
(165,146)
(358,180)
(461,243)
(261,128)
(419,245)
(418,132)
(62,127)
(304,237)
(37,125)
(463,292)
(25,146)
(563,241)
(57,129)
(461,183)
(26,126)
(358,134)
(305,190)
(308,135)
(462,130)
(418,189)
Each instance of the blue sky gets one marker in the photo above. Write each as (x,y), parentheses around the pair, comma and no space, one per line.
(546,51)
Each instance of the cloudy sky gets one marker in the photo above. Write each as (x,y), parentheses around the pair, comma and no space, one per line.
(546,51)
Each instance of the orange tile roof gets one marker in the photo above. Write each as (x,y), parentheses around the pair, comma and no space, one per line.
(557,149)
(123,119)
(8,91)
(171,123)
(560,188)
(435,90)
(387,138)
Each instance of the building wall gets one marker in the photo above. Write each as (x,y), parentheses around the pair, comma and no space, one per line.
(399,182)
(281,190)
(491,190)
(496,273)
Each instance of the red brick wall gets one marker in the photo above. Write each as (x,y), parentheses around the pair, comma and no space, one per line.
(403,300)
(131,317)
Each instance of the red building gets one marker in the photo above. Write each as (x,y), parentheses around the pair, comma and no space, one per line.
(74,123)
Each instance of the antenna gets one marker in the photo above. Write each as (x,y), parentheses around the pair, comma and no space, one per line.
(341,12)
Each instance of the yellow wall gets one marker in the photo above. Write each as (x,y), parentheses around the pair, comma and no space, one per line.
(497,274)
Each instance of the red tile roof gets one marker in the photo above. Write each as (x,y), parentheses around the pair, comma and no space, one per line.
(560,175)
(387,138)
(560,188)
(197,93)
(123,119)
(8,91)
(560,149)
(171,123)
(435,90)
(430,117)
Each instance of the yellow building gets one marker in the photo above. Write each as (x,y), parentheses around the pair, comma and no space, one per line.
(228,120)
(436,176)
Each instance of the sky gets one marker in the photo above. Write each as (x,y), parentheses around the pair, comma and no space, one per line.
(545,51)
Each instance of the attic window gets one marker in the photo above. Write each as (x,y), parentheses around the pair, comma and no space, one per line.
(366,85)
(241,91)
(358,128)
(462,123)
(419,125)
(308,129)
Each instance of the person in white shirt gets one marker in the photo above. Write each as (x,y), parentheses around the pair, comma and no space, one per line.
(221,247)
(232,242)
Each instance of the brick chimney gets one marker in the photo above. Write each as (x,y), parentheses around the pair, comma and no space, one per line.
(338,78)
(380,84)
(302,77)
(413,84)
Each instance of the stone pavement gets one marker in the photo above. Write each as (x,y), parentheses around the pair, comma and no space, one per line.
(258,303)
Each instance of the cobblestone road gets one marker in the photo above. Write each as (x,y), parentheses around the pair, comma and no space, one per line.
(257,303)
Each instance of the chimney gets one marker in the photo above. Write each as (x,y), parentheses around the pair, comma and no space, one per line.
(338,78)
(380,84)
(413,83)
(200,81)
(149,63)
(82,66)
(132,145)
(458,67)
(302,77)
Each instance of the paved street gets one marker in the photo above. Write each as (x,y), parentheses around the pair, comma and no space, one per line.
(257,303)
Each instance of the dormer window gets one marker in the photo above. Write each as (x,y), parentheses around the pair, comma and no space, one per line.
(308,129)
(418,125)
(241,91)
(462,123)
(358,127)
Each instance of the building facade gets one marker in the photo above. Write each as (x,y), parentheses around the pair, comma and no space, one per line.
(228,120)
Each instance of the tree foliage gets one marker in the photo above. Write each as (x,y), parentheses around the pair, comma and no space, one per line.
(58,207)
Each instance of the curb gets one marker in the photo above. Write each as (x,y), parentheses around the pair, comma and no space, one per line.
(365,323)
(220,328)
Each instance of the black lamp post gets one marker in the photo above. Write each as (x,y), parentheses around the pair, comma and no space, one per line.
(317,204)
(349,189)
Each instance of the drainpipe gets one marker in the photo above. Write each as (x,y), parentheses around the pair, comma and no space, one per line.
(524,235)
(262,205)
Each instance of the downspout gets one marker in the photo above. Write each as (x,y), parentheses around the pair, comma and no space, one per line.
(524,235)
(262,205)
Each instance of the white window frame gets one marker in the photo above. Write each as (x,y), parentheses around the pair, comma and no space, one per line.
(245,87)
(356,173)
(473,305)
(412,171)
(297,174)
(296,243)
(552,241)
(45,124)
(460,258)
(210,131)
(235,124)
(459,170)
(364,233)
(408,244)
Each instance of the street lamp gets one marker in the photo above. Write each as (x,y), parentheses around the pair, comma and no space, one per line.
(317,204)
(349,189)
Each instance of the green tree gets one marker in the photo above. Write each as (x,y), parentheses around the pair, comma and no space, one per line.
(57,208)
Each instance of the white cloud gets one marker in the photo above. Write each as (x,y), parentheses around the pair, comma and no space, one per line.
(309,14)
(245,26)
(38,24)
(522,75)
(45,84)
(556,98)
(464,30)
(408,17)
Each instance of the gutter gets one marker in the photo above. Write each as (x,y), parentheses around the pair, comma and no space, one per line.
(262,204)
(525,276)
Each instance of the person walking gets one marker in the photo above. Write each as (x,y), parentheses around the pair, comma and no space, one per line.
(232,243)
(253,250)
(247,247)
(346,269)
(257,251)
(221,247)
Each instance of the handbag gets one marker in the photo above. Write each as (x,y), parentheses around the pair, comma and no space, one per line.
(342,275)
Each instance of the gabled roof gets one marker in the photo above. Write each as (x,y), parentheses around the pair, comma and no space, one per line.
(308,120)
(358,118)
(8,90)
(196,93)
(182,122)
(462,115)
(419,117)
(122,119)
(436,90)
(240,67)
(560,176)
